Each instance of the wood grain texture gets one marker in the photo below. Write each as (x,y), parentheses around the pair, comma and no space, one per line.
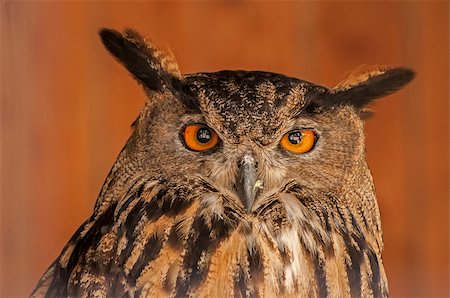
(66,109)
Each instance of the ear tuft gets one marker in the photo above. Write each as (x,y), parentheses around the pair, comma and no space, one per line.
(367,83)
(154,68)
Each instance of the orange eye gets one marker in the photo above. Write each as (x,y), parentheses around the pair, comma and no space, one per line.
(299,140)
(200,137)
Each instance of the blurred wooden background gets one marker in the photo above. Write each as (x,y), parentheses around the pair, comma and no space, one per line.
(66,108)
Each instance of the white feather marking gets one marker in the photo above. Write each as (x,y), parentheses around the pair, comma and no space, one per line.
(290,242)
(213,203)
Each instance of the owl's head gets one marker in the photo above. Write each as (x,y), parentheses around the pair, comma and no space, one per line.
(250,136)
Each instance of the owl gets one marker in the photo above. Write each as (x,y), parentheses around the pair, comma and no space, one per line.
(233,184)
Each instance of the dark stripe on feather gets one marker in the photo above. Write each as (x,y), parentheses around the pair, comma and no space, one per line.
(149,253)
(376,280)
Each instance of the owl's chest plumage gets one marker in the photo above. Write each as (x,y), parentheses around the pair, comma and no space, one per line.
(158,242)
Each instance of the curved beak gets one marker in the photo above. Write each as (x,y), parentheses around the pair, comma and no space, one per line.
(247,184)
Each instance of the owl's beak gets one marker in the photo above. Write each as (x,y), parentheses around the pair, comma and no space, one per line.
(246,181)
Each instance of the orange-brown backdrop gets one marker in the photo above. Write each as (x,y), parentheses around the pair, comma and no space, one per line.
(66,107)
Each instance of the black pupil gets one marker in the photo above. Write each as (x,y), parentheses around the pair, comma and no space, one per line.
(203,135)
(295,137)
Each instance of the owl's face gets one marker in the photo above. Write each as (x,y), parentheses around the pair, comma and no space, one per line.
(233,184)
(252,137)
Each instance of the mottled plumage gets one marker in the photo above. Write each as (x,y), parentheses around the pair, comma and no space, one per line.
(170,221)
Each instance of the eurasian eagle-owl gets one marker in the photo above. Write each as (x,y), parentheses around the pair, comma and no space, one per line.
(233,183)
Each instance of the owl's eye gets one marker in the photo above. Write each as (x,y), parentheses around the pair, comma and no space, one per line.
(299,140)
(198,137)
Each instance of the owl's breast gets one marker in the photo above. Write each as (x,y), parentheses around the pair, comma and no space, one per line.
(206,255)
(161,242)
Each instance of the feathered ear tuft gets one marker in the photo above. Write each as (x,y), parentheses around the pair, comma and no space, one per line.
(367,83)
(154,68)
(362,86)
